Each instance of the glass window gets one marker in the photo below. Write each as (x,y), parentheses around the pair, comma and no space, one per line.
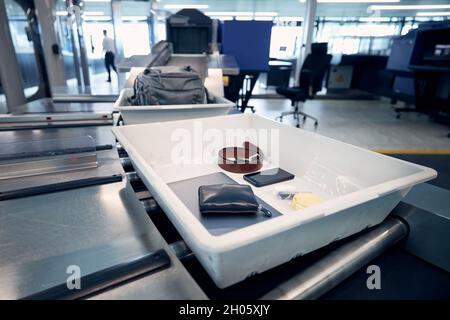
(23,45)
(161,32)
(356,36)
(284,40)
(139,42)
(93,37)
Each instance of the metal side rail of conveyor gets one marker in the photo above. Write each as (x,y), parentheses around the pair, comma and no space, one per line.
(44,166)
(84,98)
(54,120)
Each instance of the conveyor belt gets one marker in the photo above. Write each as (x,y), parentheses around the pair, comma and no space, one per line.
(95,227)
(102,227)
(307,277)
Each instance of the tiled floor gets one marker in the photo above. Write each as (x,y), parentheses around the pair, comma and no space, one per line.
(369,124)
(99,85)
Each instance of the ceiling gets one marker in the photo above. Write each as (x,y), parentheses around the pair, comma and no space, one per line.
(296,8)
(282,8)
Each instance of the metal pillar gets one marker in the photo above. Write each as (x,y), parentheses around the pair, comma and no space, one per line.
(9,66)
(151,21)
(116,10)
(75,15)
(151,36)
(52,50)
(215,31)
(83,57)
(307,35)
(75,55)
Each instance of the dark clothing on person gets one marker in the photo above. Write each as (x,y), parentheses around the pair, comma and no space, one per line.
(109,63)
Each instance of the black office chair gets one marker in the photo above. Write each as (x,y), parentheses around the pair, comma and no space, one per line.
(311,77)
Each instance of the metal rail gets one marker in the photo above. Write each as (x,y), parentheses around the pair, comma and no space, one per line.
(328,272)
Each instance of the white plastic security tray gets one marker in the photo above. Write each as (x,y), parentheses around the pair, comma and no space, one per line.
(358,187)
(161,113)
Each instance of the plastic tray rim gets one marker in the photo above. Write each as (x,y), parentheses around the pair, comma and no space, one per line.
(253,233)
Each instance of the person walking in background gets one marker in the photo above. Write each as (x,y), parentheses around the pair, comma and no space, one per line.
(108,48)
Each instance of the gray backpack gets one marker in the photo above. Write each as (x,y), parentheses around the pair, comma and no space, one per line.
(168,85)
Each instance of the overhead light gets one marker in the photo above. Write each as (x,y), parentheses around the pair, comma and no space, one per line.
(134,18)
(93,13)
(97,18)
(186,6)
(242,13)
(262,18)
(266,14)
(374,19)
(355,1)
(432,14)
(222,18)
(244,18)
(411,7)
(229,13)
(289,19)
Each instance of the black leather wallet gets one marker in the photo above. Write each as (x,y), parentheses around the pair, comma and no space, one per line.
(227,198)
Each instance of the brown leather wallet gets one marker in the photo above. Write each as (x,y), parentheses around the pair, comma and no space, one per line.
(241,159)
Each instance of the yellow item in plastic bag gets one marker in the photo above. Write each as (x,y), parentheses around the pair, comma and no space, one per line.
(303,200)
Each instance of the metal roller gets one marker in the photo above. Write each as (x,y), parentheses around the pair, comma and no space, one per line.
(126,163)
(150,205)
(132,177)
(181,250)
(121,151)
(341,263)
